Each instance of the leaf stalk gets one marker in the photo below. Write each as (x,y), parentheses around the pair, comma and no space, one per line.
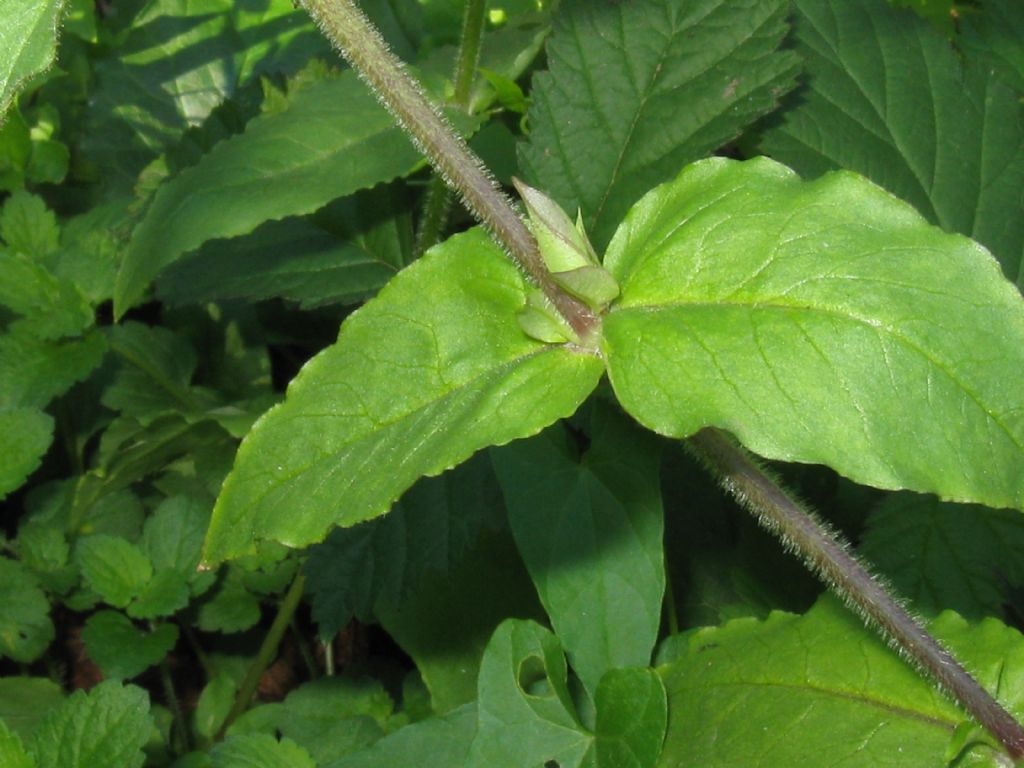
(362,46)
(741,476)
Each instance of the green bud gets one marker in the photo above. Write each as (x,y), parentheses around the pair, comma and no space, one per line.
(539,320)
(593,285)
(563,245)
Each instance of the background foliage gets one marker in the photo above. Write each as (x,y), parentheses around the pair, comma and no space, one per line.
(213,174)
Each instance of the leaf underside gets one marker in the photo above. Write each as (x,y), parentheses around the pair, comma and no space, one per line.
(432,370)
(821,322)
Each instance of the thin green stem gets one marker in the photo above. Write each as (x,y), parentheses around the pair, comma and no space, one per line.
(181,734)
(828,555)
(267,653)
(329,657)
(346,26)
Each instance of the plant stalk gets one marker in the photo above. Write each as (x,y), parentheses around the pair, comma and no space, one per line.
(266,654)
(748,483)
(181,734)
(346,26)
(438,200)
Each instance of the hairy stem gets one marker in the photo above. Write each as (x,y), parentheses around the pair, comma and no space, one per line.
(266,653)
(822,548)
(438,200)
(346,26)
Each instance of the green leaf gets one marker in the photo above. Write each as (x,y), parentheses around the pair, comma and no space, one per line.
(269,172)
(24,701)
(383,561)
(122,650)
(52,307)
(888,97)
(156,370)
(107,726)
(298,259)
(829,690)
(821,322)
(28,43)
(590,532)
(33,371)
(259,750)
(526,714)
(439,742)
(28,226)
(229,607)
(178,61)
(432,370)
(632,715)
(25,435)
(114,567)
(636,90)
(172,538)
(25,626)
(335,716)
(12,753)
(996,34)
(214,704)
(164,595)
(943,555)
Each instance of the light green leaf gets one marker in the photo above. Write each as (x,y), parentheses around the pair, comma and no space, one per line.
(107,726)
(24,701)
(888,97)
(25,626)
(635,90)
(590,532)
(632,715)
(432,370)
(33,371)
(28,43)
(115,568)
(12,753)
(299,260)
(173,534)
(526,714)
(258,750)
(439,742)
(822,322)
(28,226)
(122,650)
(166,593)
(271,171)
(214,704)
(51,307)
(826,690)
(230,607)
(996,34)
(335,716)
(942,555)
(25,435)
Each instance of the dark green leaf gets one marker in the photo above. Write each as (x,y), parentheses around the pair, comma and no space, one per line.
(230,607)
(25,434)
(33,371)
(996,34)
(828,690)
(107,726)
(25,626)
(822,322)
(28,43)
(214,704)
(298,259)
(590,534)
(27,226)
(166,593)
(24,701)
(382,562)
(942,555)
(269,172)
(637,90)
(173,535)
(432,370)
(888,97)
(122,650)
